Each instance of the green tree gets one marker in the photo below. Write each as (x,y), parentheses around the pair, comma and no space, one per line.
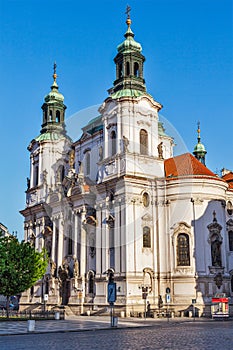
(20,266)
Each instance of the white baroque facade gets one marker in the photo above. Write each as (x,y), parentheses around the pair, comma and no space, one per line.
(117,201)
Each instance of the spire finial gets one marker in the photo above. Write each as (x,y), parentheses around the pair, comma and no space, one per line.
(198,132)
(128,20)
(55,71)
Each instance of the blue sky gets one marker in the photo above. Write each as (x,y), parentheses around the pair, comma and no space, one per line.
(189,69)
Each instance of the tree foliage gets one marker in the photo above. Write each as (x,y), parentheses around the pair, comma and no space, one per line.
(20,266)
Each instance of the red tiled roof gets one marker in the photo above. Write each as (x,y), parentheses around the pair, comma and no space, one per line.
(185,164)
(228,177)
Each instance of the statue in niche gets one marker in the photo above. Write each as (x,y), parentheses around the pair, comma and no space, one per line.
(160,150)
(216,253)
(71,159)
(76,268)
(63,273)
(28,183)
(125,144)
(100,153)
(48,246)
(32,239)
(44,176)
(63,270)
(52,268)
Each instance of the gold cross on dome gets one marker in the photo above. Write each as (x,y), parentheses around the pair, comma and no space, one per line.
(54,68)
(128,9)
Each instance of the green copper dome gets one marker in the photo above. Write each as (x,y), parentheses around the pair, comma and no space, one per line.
(199,148)
(53,112)
(129,44)
(54,94)
(128,93)
(50,136)
(129,67)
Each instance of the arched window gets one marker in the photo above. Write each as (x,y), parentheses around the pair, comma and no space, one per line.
(91,283)
(50,115)
(57,117)
(70,242)
(127,68)
(45,116)
(88,163)
(230,236)
(229,208)
(136,69)
(183,254)
(36,175)
(120,70)
(113,142)
(146,237)
(143,142)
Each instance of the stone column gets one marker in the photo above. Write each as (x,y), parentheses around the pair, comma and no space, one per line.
(117,238)
(60,242)
(99,240)
(53,239)
(75,234)
(83,244)
(105,242)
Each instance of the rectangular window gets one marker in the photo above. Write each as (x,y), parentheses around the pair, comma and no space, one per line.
(183,255)
(88,163)
(230,235)
(146,237)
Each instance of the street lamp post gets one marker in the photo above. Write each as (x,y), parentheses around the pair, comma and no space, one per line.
(111,295)
(144,296)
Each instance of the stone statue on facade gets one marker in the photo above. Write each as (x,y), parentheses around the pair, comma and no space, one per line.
(160,150)
(28,183)
(44,177)
(52,267)
(125,144)
(216,253)
(100,153)
(76,268)
(71,159)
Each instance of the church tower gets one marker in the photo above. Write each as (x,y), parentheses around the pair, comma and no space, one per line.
(129,63)
(199,149)
(53,111)
(134,148)
(130,117)
(48,166)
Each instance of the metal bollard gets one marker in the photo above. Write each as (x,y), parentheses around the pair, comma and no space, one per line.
(31,324)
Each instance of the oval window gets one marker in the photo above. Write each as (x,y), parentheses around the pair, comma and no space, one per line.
(145,199)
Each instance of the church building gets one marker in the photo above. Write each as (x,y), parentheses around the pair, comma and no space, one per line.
(117,204)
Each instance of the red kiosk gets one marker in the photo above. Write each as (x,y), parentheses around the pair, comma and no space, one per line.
(220,306)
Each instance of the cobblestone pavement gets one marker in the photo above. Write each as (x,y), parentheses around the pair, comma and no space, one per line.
(175,335)
(71,324)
